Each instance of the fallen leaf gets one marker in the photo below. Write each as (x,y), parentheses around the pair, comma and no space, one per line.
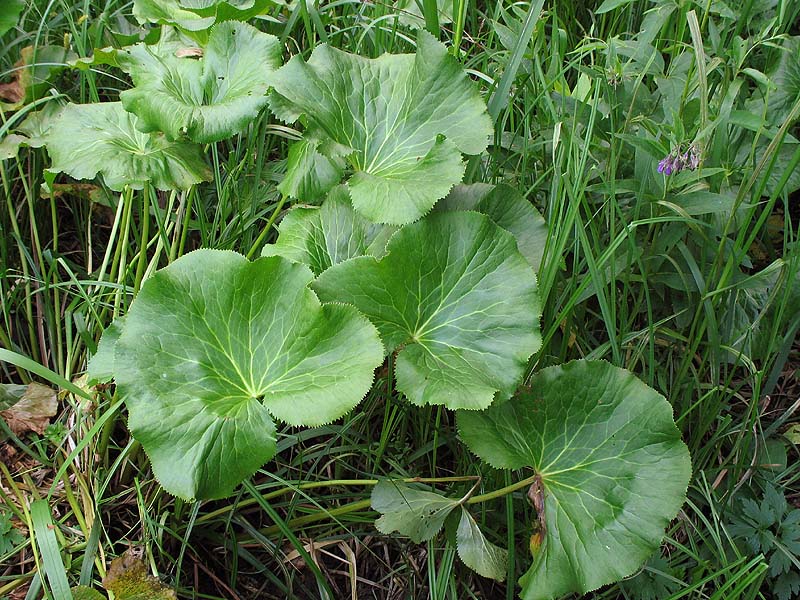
(33,410)
(12,91)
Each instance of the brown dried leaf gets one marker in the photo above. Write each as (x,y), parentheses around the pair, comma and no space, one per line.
(12,92)
(33,411)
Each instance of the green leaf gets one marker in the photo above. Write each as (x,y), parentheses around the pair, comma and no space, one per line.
(324,236)
(33,129)
(170,12)
(90,139)
(197,15)
(44,535)
(390,117)
(208,99)
(413,512)
(509,209)
(609,5)
(9,14)
(410,14)
(310,174)
(441,298)
(81,592)
(321,237)
(786,77)
(128,579)
(10,145)
(34,73)
(9,535)
(101,366)
(213,345)
(611,471)
(10,394)
(478,553)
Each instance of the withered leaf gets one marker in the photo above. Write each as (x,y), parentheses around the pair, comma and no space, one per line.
(32,411)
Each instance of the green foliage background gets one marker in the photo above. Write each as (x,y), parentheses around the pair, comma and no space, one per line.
(691,281)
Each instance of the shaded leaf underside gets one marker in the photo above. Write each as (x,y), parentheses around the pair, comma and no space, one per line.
(87,140)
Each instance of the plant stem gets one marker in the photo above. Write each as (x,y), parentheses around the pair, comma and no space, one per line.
(502,491)
(144,218)
(264,232)
(331,483)
(362,504)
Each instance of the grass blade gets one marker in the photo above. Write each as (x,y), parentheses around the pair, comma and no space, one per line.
(44,533)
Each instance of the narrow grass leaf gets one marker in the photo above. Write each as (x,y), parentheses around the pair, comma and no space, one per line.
(43,530)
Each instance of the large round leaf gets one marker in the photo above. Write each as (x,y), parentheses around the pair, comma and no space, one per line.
(388,116)
(612,471)
(456,299)
(213,345)
(210,98)
(90,139)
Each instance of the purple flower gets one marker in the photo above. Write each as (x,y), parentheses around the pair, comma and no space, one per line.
(667,165)
(675,161)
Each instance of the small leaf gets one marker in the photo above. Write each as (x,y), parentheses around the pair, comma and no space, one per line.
(101,366)
(389,116)
(441,298)
(128,579)
(34,72)
(10,536)
(321,237)
(792,434)
(611,471)
(509,209)
(213,344)
(32,411)
(416,513)
(90,139)
(478,553)
(209,99)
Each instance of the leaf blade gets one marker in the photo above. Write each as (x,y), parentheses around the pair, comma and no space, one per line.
(214,345)
(613,471)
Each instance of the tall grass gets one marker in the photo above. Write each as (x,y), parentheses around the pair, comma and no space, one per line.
(637,271)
